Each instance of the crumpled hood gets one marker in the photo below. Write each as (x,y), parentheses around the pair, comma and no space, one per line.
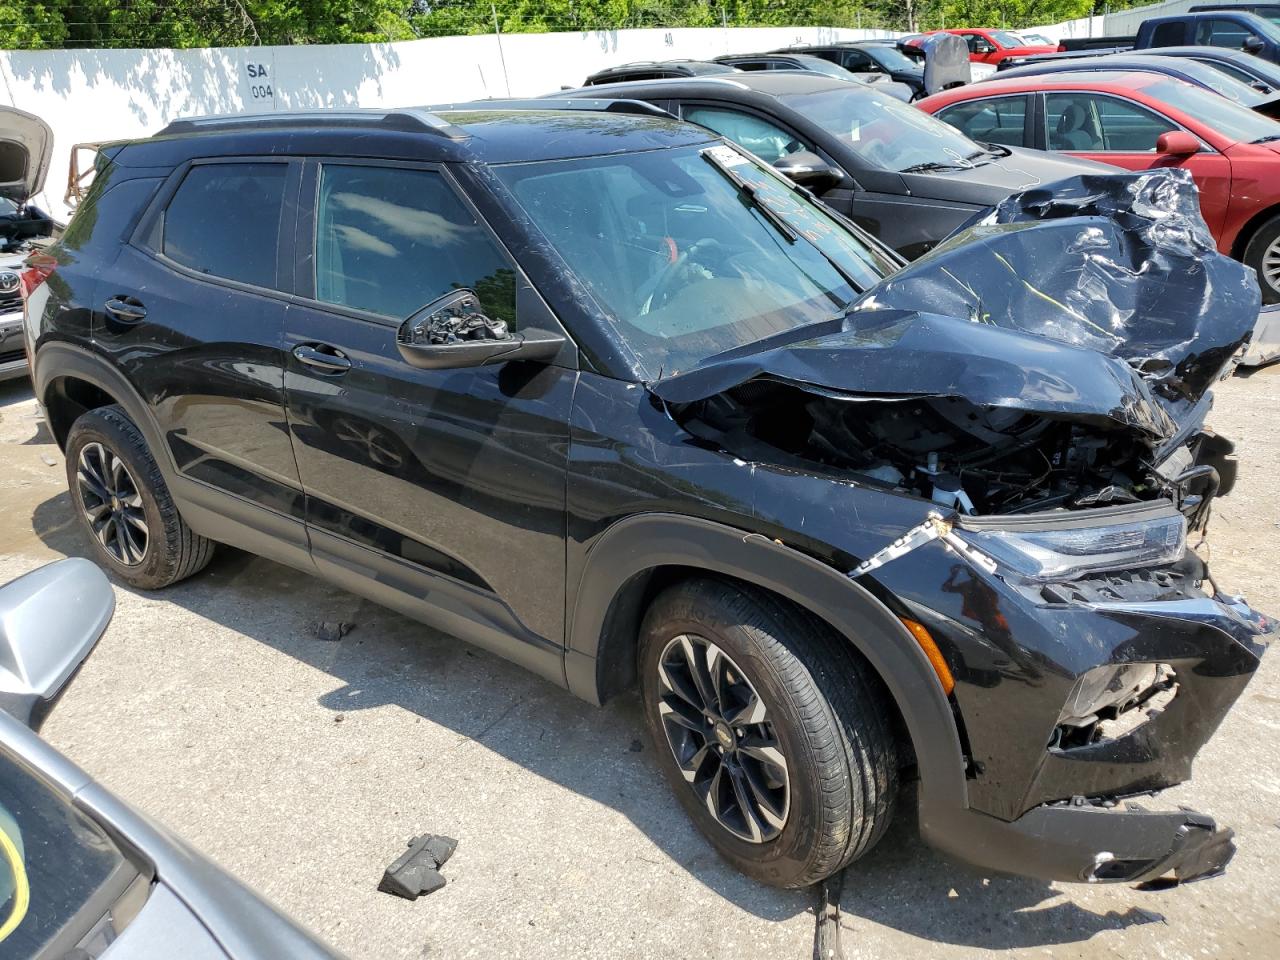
(1100,298)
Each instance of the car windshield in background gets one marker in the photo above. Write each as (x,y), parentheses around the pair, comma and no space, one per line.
(891,58)
(1229,119)
(1007,39)
(886,132)
(53,860)
(694,251)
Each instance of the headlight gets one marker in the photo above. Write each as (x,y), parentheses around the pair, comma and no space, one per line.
(1072,548)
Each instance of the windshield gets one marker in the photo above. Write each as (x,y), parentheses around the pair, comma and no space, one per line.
(53,861)
(1227,118)
(1007,39)
(884,131)
(694,251)
(891,58)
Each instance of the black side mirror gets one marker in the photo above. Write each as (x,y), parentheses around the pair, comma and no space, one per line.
(50,620)
(809,170)
(1254,45)
(453,331)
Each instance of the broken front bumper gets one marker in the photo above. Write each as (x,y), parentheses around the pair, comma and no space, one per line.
(1082,841)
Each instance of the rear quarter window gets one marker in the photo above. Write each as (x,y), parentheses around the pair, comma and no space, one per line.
(224,220)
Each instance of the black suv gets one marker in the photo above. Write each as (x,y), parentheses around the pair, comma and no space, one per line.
(605,395)
(899,173)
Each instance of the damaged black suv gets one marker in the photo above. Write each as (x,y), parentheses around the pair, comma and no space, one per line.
(600,392)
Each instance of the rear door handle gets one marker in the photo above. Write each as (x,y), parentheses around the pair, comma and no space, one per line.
(125,308)
(324,358)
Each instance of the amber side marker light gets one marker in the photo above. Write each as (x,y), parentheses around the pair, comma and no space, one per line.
(931,651)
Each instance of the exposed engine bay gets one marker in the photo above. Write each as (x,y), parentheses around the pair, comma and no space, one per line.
(1056,354)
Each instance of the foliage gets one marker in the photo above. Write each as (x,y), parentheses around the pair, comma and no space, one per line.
(43,24)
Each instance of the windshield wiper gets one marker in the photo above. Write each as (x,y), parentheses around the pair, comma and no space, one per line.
(932,165)
(1269,138)
(752,193)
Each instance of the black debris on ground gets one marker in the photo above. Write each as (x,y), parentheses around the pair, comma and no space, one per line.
(417,871)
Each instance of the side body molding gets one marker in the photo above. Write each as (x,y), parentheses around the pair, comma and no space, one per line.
(643,542)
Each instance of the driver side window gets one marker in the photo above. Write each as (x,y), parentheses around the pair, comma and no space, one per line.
(768,142)
(999,120)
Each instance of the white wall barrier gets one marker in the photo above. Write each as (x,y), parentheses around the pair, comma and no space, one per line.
(96,95)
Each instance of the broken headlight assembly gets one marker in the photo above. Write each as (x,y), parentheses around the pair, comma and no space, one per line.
(1081,545)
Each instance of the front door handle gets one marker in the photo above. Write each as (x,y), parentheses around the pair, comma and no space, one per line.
(324,358)
(125,308)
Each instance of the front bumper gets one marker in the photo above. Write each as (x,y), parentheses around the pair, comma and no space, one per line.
(1079,841)
(13,358)
(1038,806)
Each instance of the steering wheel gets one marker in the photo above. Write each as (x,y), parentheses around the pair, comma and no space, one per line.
(676,274)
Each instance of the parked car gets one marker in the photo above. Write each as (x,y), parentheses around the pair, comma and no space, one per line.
(25,144)
(82,874)
(621,375)
(992,46)
(1180,68)
(1142,121)
(802,61)
(1232,29)
(863,56)
(869,156)
(657,70)
(1263,75)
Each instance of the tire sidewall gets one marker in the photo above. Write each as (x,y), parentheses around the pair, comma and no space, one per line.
(787,856)
(1257,247)
(96,428)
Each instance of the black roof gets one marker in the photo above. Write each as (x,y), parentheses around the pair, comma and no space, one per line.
(742,86)
(482,131)
(687,68)
(769,55)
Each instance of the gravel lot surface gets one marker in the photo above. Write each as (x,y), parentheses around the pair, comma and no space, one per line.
(303,766)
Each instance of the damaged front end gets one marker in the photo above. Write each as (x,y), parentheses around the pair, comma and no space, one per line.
(1057,354)
(1041,379)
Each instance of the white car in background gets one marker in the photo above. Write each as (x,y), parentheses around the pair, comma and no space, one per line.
(25,145)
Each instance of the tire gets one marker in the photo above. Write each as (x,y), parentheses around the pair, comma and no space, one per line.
(142,539)
(824,711)
(1263,254)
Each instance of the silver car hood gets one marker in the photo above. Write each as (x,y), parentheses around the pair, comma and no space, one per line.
(26,143)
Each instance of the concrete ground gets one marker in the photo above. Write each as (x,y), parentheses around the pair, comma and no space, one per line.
(304,765)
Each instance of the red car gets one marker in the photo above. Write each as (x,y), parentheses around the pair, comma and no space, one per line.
(1140,121)
(992,46)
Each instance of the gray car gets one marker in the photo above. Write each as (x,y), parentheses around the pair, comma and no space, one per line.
(82,874)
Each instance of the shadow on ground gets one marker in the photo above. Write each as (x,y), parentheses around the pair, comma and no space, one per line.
(597,753)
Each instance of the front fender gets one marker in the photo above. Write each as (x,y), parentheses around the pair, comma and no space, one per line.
(646,542)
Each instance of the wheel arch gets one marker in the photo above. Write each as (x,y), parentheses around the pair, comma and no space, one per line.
(70,380)
(1251,228)
(633,559)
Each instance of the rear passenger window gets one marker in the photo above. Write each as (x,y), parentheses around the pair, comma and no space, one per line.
(390,240)
(224,220)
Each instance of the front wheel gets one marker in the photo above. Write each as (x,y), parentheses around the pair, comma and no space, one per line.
(1263,254)
(775,735)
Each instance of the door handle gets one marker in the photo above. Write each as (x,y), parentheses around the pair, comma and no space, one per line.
(125,308)
(323,358)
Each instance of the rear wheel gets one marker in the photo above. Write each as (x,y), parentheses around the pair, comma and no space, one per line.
(773,733)
(1263,254)
(124,505)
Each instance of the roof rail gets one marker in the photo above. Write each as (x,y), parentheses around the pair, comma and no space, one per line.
(410,119)
(598,105)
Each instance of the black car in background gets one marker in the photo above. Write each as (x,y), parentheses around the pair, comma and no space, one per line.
(656,70)
(803,61)
(906,178)
(604,394)
(1245,67)
(870,56)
